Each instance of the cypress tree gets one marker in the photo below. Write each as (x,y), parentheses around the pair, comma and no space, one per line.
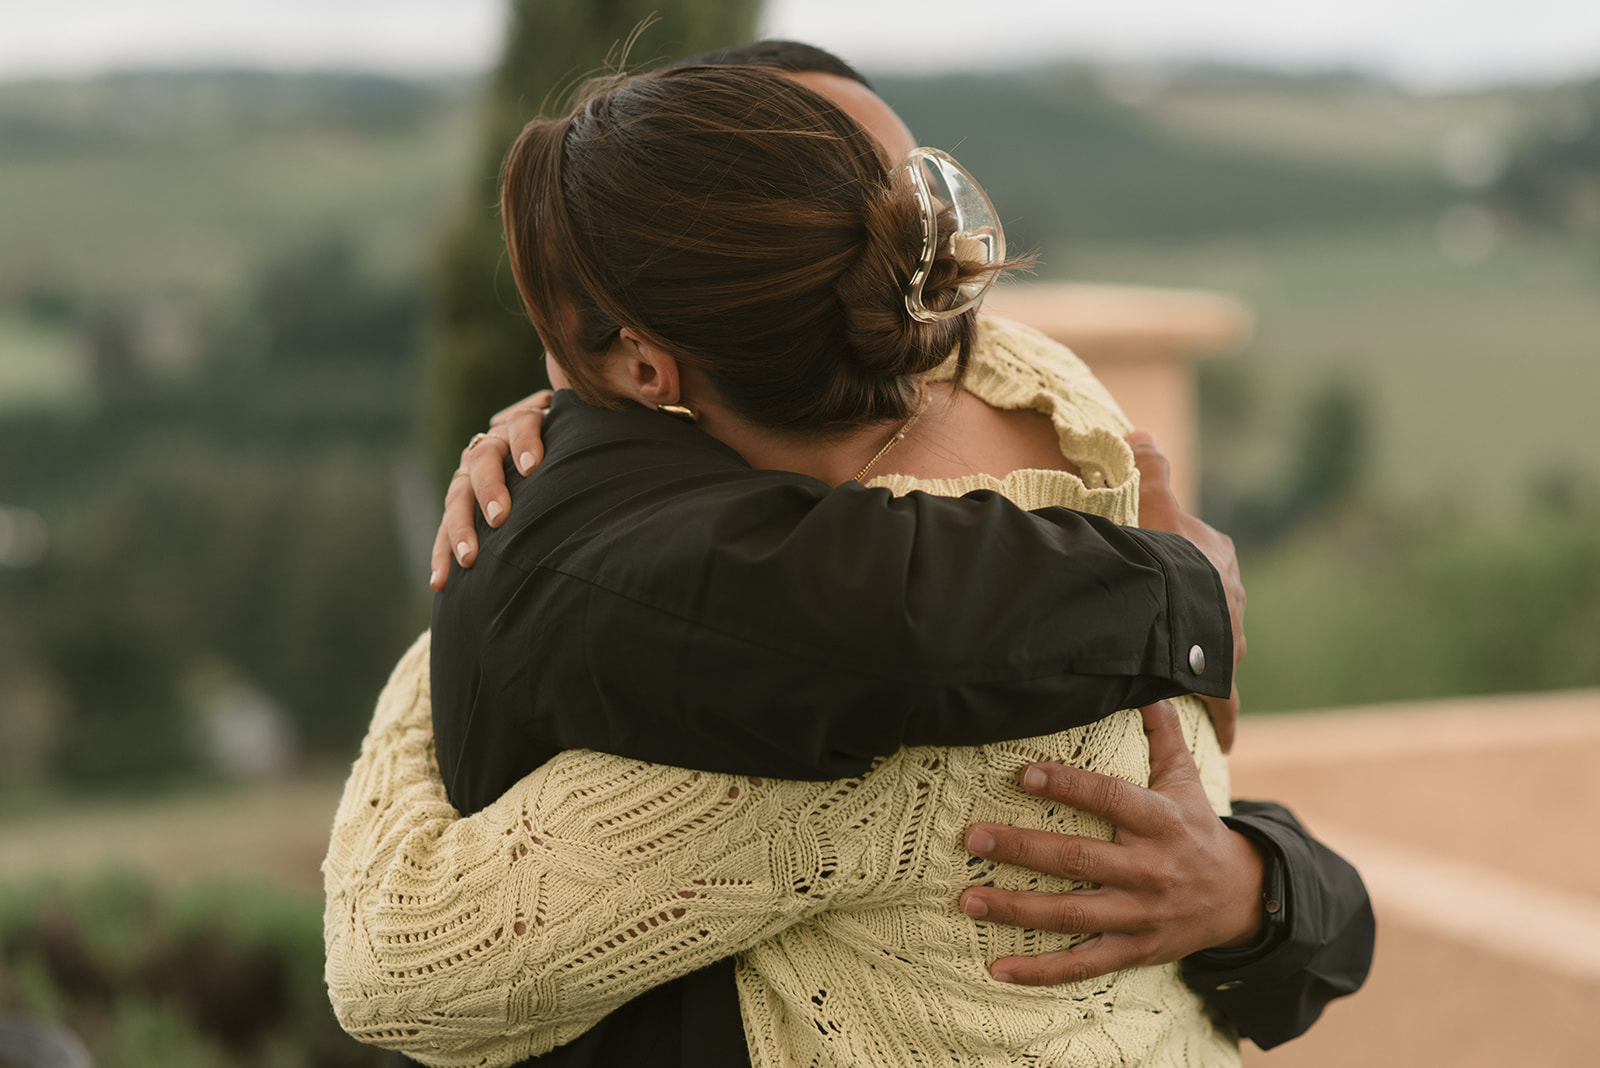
(482,352)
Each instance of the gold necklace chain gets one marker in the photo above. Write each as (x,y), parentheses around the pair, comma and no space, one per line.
(898,435)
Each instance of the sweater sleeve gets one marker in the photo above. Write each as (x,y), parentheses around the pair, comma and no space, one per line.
(494,938)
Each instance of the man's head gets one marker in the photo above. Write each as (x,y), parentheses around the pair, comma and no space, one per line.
(822,72)
(790,57)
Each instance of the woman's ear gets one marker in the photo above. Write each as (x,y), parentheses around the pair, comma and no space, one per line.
(638,369)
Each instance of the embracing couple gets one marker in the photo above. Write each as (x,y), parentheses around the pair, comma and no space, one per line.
(829,695)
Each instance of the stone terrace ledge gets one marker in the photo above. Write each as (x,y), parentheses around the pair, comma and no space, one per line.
(1476,825)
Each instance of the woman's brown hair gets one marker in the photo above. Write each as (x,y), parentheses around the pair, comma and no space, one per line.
(743,223)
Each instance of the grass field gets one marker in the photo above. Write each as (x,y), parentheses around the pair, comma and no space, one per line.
(1464,562)
(40,365)
(1480,381)
(200,214)
(1357,126)
(1477,379)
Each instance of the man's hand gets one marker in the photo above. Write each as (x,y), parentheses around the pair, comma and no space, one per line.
(1158,510)
(1173,881)
(480,480)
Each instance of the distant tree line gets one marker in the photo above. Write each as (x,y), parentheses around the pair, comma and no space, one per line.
(38,119)
(238,519)
(1553,179)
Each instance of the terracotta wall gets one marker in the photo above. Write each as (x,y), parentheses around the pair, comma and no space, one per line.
(1143,344)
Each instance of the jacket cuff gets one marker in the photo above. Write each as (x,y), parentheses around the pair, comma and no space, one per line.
(1275,906)
(1198,651)
(1274,992)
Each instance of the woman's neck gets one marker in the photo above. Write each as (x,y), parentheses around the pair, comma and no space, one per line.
(955,435)
(834,459)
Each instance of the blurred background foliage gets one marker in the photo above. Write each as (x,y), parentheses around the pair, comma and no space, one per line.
(219,976)
(233,305)
(247,319)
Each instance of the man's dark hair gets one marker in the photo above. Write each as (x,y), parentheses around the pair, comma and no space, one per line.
(792,56)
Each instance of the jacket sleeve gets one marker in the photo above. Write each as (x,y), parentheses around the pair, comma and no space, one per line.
(488,940)
(1321,948)
(658,584)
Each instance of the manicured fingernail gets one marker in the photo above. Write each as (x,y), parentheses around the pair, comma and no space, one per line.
(461,553)
(525,462)
(980,842)
(1003,977)
(493,511)
(1034,779)
(433,576)
(975,906)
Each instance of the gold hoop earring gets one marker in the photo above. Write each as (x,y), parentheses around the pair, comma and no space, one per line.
(680,411)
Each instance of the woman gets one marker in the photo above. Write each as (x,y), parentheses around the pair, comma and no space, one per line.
(808,354)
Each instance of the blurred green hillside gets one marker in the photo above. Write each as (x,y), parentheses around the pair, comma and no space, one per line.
(1070,157)
(213,289)
(1320,200)
(153,182)
(211,293)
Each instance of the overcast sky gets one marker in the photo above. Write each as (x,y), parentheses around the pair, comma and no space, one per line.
(1428,43)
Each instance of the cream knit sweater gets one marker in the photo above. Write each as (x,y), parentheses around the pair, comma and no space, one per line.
(485,940)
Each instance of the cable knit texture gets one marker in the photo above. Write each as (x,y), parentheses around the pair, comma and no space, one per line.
(486,940)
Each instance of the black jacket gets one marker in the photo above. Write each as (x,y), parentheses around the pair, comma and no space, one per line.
(653,597)
(1317,947)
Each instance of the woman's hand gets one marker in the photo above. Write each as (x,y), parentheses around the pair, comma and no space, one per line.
(480,480)
(1174,881)
(1159,510)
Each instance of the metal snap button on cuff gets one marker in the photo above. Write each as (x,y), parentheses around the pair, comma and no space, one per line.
(1197,660)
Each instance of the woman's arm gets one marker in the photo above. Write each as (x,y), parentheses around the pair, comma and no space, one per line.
(490,939)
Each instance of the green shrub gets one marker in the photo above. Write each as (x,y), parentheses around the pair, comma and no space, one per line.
(222,975)
(1361,611)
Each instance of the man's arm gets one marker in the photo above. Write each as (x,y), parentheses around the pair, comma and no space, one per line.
(663,586)
(489,939)
(1270,924)
(1318,947)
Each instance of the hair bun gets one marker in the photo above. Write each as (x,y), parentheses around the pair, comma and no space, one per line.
(882,337)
